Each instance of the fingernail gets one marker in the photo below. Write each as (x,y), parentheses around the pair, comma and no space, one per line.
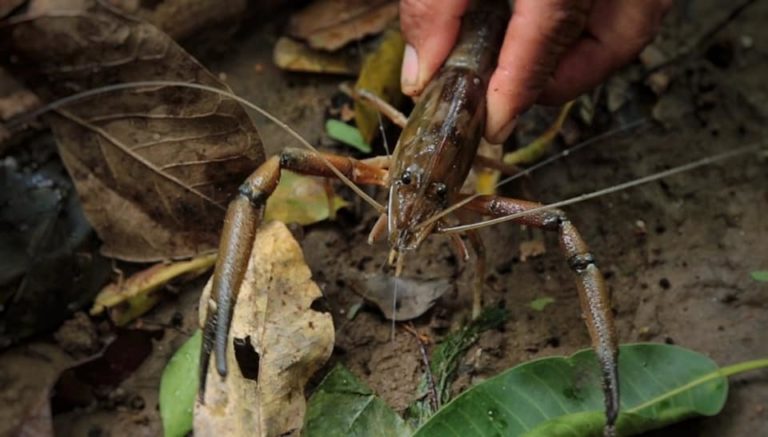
(502,134)
(409,75)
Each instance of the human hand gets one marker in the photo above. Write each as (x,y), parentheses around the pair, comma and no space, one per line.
(553,50)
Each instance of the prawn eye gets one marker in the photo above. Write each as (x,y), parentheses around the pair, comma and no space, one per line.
(406,177)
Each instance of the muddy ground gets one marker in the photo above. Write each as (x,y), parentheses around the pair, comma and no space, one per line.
(677,254)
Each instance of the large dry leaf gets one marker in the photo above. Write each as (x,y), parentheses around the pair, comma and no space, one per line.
(182,19)
(28,375)
(330,24)
(292,55)
(400,298)
(287,339)
(154,167)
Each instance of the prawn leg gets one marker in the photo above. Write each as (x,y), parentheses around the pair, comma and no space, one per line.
(244,216)
(593,292)
(478,280)
(381,105)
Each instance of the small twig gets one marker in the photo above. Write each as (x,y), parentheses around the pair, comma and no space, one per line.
(434,400)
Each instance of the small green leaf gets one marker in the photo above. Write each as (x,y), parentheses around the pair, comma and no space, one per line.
(301,199)
(540,303)
(760,275)
(178,388)
(347,134)
(344,406)
(661,385)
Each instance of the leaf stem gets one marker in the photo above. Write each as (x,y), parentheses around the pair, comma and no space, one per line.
(720,373)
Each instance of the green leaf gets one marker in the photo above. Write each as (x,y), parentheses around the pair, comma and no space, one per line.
(380,75)
(760,275)
(347,134)
(343,406)
(540,303)
(178,388)
(301,199)
(661,384)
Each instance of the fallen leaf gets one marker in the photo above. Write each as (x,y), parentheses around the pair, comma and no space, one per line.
(617,93)
(277,342)
(342,405)
(78,336)
(760,275)
(132,405)
(182,19)
(16,103)
(561,396)
(652,56)
(483,179)
(128,299)
(154,167)
(331,24)
(177,395)
(532,249)
(7,6)
(301,199)
(346,134)
(380,75)
(540,303)
(539,147)
(400,298)
(292,55)
(29,373)
(297,199)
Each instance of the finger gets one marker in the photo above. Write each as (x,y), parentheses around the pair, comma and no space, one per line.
(617,31)
(538,33)
(430,28)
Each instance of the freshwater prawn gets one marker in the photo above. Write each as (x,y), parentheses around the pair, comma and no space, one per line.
(423,178)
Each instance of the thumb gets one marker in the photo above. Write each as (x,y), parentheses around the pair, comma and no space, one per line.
(430,29)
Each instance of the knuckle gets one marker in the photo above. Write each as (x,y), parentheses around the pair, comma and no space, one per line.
(564,21)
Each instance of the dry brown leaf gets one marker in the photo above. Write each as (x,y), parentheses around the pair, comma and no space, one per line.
(154,168)
(532,249)
(273,316)
(17,102)
(331,24)
(28,374)
(181,19)
(292,55)
(400,298)
(7,6)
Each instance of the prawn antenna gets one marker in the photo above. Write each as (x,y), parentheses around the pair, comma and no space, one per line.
(602,192)
(527,171)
